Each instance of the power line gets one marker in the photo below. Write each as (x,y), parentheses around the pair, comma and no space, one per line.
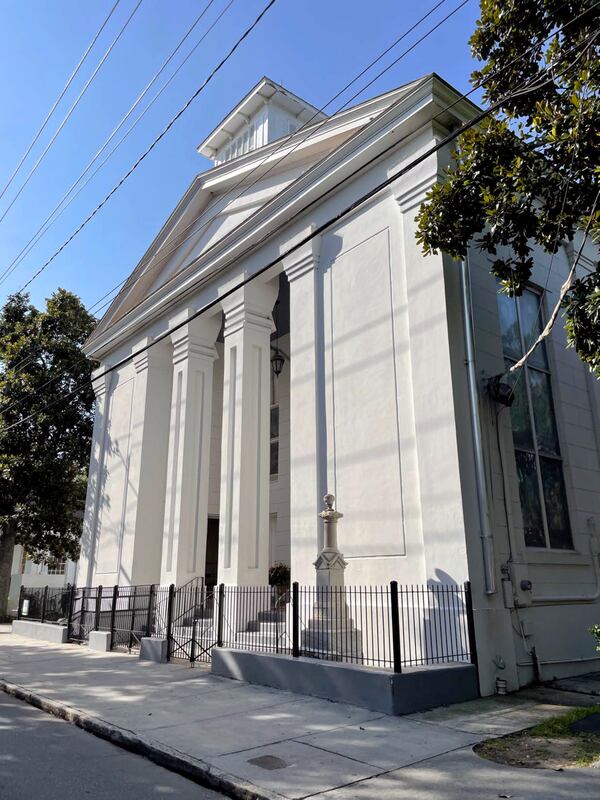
(71,110)
(182,237)
(66,201)
(305,125)
(286,139)
(317,231)
(58,99)
(151,147)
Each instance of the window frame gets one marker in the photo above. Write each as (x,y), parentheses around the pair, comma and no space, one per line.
(556,457)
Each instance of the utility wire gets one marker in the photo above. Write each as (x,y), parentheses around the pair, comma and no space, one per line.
(402,99)
(66,201)
(317,231)
(71,110)
(182,238)
(285,139)
(151,147)
(57,101)
(136,276)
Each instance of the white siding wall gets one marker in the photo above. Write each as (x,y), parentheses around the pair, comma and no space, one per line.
(557,631)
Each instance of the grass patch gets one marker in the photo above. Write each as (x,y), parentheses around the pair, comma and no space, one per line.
(550,744)
(561,726)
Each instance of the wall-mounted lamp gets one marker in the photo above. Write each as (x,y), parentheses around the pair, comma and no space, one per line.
(277,362)
(277,359)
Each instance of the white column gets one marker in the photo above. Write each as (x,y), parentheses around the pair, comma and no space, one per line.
(186,508)
(307,414)
(244,512)
(148,448)
(89,534)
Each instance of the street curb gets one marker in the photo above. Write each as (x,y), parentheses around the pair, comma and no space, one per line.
(185,765)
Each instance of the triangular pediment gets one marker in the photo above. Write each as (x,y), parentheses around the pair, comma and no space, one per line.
(221,203)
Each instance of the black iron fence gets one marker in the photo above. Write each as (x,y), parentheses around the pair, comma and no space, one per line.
(44,603)
(380,626)
(389,627)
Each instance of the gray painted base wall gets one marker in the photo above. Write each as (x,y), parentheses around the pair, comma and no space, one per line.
(44,631)
(416,689)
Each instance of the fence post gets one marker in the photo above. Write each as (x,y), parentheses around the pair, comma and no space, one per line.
(149,617)
(295,620)
(115,597)
(394,608)
(170,618)
(98,605)
(20,602)
(220,612)
(194,614)
(470,622)
(45,597)
(70,614)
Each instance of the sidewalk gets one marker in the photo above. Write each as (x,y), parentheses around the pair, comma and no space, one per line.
(252,741)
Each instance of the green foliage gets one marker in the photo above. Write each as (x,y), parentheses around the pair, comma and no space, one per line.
(279,575)
(595,631)
(529,175)
(44,386)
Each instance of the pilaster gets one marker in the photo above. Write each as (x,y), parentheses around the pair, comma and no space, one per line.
(244,511)
(101,382)
(144,513)
(186,507)
(307,407)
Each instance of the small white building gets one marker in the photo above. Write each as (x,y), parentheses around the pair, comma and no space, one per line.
(205,463)
(25,572)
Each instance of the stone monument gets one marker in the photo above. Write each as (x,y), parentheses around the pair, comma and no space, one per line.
(330,631)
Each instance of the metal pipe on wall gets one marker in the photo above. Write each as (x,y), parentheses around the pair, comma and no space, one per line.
(485,531)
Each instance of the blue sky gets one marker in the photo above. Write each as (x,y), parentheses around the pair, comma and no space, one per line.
(313,47)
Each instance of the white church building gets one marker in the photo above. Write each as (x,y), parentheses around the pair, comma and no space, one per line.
(284,337)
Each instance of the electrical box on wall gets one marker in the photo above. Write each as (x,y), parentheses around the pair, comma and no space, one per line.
(521,583)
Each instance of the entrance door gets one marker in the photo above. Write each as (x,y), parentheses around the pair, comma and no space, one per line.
(212,552)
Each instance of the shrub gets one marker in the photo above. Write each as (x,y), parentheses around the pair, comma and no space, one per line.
(279,575)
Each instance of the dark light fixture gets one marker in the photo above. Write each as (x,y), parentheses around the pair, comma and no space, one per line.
(277,359)
(277,362)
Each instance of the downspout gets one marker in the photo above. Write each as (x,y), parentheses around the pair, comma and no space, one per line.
(485,531)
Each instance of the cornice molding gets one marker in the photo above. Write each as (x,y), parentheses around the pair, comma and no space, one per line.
(284,206)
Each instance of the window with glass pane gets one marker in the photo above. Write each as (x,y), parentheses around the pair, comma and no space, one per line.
(274,470)
(535,437)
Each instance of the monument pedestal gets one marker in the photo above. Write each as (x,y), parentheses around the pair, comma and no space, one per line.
(330,631)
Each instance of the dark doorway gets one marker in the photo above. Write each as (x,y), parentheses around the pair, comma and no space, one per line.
(212,552)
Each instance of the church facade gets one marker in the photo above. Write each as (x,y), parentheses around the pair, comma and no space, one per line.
(285,337)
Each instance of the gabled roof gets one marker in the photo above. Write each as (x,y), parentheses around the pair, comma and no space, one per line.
(265,90)
(341,139)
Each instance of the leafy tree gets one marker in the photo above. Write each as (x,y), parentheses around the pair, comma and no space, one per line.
(529,174)
(45,428)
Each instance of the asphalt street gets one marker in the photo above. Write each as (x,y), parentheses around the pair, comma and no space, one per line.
(44,758)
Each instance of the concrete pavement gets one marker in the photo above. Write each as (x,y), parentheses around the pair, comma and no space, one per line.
(268,743)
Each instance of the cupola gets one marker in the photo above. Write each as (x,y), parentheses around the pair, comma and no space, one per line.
(266,113)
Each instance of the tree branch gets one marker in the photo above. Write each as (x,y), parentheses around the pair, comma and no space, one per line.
(563,291)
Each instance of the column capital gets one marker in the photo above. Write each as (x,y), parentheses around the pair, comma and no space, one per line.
(155,355)
(101,381)
(409,197)
(196,339)
(250,307)
(302,260)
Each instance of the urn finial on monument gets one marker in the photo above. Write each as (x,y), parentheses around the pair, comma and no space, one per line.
(330,563)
